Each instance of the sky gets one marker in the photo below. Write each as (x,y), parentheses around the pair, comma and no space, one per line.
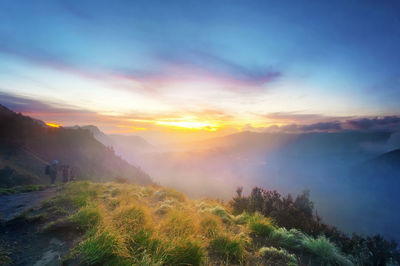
(200,67)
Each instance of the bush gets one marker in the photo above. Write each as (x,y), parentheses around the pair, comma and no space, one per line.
(230,249)
(260,226)
(277,257)
(325,251)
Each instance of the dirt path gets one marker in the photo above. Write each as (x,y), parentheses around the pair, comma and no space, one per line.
(24,240)
(13,205)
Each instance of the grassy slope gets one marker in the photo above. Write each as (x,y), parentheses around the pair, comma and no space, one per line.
(28,145)
(126,224)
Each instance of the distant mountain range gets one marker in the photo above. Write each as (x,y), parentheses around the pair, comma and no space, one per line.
(129,147)
(27,145)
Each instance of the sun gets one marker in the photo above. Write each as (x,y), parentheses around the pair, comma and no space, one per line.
(194,125)
(53,125)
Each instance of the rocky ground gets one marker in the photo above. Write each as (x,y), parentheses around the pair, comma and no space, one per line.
(22,238)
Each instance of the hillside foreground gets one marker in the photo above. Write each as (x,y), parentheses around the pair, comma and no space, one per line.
(89,223)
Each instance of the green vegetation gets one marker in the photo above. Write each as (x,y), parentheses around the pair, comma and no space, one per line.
(127,224)
(20,189)
(297,230)
(326,252)
(273,256)
(260,226)
(4,254)
(231,249)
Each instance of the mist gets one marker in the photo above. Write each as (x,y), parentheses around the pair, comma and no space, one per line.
(338,168)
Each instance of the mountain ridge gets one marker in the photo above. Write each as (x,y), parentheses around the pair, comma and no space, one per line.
(27,145)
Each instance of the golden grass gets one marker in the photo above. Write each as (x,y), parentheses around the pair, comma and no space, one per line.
(126,224)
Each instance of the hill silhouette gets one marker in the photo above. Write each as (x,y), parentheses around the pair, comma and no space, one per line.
(27,145)
(390,159)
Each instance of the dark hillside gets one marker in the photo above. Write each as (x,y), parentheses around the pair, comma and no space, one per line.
(27,145)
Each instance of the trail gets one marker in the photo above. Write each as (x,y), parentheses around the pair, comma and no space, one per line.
(24,240)
(13,205)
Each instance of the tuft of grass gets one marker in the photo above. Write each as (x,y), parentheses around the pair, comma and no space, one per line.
(101,249)
(325,251)
(210,226)
(179,225)
(21,189)
(221,212)
(289,239)
(86,218)
(7,191)
(163,209)
(260,226)
(185,252)
(274,256)
(230,249)
(115,192)
(130,218)
(4,254)
(242,218)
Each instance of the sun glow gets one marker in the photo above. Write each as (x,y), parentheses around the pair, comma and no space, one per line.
(54,125)
(190,125)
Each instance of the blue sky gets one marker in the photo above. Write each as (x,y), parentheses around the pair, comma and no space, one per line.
(220,64)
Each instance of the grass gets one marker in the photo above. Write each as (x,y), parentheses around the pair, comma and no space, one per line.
(274,256)
(126,224)
(230,249)
(325,251)
(21,189)
(86,218)
(260,226)
(4,254)
(185,252)
(289,239)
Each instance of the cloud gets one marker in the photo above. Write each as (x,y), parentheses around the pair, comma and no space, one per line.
(389,123)
(333,124)
(200,64)
(296,117)
(322,126)
(26,105)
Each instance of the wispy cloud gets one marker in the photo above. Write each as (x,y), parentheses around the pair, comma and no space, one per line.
(374,123)
(385,123)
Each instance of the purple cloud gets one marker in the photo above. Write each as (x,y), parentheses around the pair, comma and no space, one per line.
(389,123)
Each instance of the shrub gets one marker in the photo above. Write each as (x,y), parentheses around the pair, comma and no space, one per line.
(260,226)
(273,256)
(230,249)
(325,251)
